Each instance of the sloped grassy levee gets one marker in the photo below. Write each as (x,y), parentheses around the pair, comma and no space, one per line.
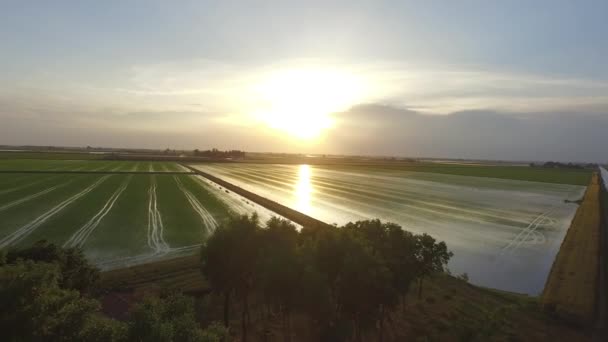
(571,289)
(449,308)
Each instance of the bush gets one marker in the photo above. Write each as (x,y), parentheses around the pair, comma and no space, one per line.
(75,270)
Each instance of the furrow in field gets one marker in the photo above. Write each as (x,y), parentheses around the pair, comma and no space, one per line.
(330,202)
(392,188)
(32,196)
(389,196)
(208,220)
(17,188)
(235,203)
(117,168)
(109,264)
(156,228)
(520,238)
(27,229)
(330,198)
(79,237)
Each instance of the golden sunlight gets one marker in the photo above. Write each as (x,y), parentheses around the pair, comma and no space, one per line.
(300,102)
(303,190)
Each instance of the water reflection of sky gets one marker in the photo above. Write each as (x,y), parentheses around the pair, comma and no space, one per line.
(504,234)
(303,190)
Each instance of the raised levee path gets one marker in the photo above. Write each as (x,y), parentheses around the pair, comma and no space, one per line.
(571,288)
(288,213)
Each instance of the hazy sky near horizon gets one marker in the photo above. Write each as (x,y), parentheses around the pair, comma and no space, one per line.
(525,80)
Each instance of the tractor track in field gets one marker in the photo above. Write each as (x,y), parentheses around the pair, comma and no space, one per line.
(82,234)
(27,229)
(32,196)
(156,228)
(109,264)
(20,187)
(523,235)
(208,220)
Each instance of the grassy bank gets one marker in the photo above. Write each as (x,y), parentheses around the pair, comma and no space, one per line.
(571,286)
(523,173)
(449,310)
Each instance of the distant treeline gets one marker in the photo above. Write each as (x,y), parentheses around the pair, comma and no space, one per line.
(215,153)
(196,155)
(558,165)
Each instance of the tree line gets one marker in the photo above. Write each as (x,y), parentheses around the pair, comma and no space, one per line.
(48,294)
(217,154)
(347,280)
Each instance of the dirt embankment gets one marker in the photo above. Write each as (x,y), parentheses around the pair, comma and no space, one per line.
(571,288)
(280,209)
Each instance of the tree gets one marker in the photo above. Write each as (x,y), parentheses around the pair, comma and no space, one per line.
(396,247)
(76,272)
(169,318)
(102,329)
(364,284)
(34,307)
(280,268)
(432,257)
(229,261)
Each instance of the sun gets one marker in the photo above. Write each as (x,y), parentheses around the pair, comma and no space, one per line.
(299,102)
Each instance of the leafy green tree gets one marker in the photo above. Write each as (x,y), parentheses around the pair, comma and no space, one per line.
(280,268)
(229,261)
(170,318)
(398,250)
(102,329)
(365,288)
(432,257)
(76,272)
(34,307)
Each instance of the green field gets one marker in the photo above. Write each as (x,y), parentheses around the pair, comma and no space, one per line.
(18,165)
(49,155)
(130,212)
(525,173)
(118,218)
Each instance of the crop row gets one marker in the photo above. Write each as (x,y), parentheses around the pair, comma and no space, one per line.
(88,165)
(117,219)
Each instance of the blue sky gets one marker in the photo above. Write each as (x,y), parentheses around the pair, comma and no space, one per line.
(187,74)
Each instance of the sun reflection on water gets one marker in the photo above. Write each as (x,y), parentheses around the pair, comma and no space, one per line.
(303,190)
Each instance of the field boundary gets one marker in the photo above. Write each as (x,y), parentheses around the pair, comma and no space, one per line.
(602,305)
(101,172)
(291,214)
(571,290)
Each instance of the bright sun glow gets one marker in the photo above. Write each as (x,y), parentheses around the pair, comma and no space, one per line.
(300,101)
(303,190)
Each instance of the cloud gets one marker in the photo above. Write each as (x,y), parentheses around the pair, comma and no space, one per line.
(475,134)
(405,109)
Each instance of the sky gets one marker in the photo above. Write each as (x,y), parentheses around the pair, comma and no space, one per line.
(508,80)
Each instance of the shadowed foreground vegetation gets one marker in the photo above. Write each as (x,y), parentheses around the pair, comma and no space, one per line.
(364,281)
